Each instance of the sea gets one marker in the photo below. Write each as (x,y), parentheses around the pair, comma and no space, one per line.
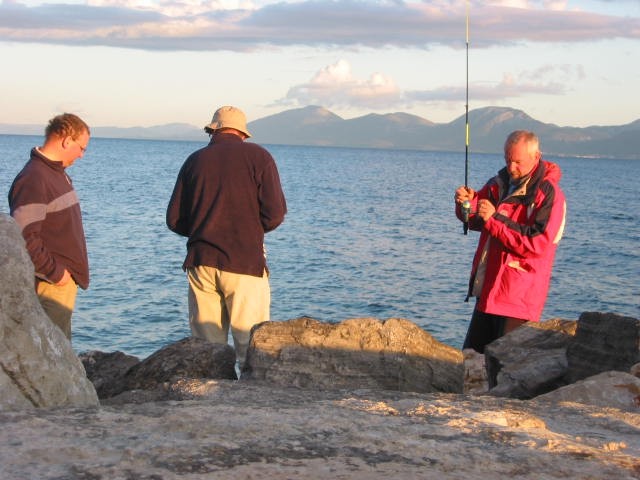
(369,233)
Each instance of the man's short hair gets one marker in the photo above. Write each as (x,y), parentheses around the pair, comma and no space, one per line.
(66,125)
(532,140)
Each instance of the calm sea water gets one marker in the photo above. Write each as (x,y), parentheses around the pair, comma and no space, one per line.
(368,233)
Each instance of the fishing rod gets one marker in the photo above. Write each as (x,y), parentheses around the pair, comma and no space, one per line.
(466,205)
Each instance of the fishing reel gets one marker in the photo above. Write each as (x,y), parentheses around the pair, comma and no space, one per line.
(466,211)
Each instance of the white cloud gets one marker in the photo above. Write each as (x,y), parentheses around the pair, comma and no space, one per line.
(249,25)
(335,86)
(545,80)
(529,4)
(172,8)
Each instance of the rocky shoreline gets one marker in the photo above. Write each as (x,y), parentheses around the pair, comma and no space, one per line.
(363,399)
(239,430)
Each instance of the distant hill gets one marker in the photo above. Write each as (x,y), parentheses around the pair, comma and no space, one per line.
(317,126)
(171,131)
(489,127)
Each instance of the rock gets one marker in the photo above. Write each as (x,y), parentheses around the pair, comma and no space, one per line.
(635,370)
(608,389)
(475,372)
(530,360)
(394,354)
(244,430)
(187,358)
(120,378)
(159,393)
(107,370)
(38,367)
(603,342)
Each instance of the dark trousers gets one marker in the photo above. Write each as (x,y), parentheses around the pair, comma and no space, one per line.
(484,329)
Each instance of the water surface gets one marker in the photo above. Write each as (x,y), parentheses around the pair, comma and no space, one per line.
(369,233)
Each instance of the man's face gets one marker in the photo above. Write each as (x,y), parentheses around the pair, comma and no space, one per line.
(75,148)
(519,160)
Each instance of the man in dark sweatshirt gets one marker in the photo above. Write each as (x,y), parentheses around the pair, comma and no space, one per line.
(226,197)
(44,203)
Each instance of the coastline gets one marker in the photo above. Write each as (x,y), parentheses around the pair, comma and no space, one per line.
(238,430)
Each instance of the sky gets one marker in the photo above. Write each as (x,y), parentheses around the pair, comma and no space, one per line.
(143,63)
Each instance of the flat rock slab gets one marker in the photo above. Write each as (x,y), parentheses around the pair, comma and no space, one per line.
(392,354)
(239,430)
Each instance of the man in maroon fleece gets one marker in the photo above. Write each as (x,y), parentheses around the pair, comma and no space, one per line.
(226,197)
(44,203)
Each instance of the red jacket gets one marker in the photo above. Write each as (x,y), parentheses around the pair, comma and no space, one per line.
(520,240)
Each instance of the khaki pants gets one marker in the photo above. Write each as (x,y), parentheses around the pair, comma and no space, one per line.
(219,299)
(58,302)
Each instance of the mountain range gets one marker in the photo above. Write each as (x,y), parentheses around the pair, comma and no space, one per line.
(317,126)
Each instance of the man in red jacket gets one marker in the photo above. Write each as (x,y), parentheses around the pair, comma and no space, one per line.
(44,203)
(226,197)
(520,214)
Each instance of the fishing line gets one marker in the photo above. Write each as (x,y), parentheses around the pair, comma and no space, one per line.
(466,205)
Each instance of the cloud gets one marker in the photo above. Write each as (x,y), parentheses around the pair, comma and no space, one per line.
(546,80)
(245,26)
(335,86)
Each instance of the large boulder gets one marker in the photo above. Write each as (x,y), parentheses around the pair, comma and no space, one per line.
(189,358)
(538,358)
(106,370)
(530,360)
(38,365)
(607,389)
(394,354)
(603,342)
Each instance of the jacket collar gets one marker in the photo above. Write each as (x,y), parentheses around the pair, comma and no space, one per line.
(225,138)
(38,155)
(527,188)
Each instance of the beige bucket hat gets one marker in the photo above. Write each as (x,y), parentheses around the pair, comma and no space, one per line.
(228,117)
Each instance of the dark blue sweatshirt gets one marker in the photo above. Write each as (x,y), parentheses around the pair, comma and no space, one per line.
(226,197)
